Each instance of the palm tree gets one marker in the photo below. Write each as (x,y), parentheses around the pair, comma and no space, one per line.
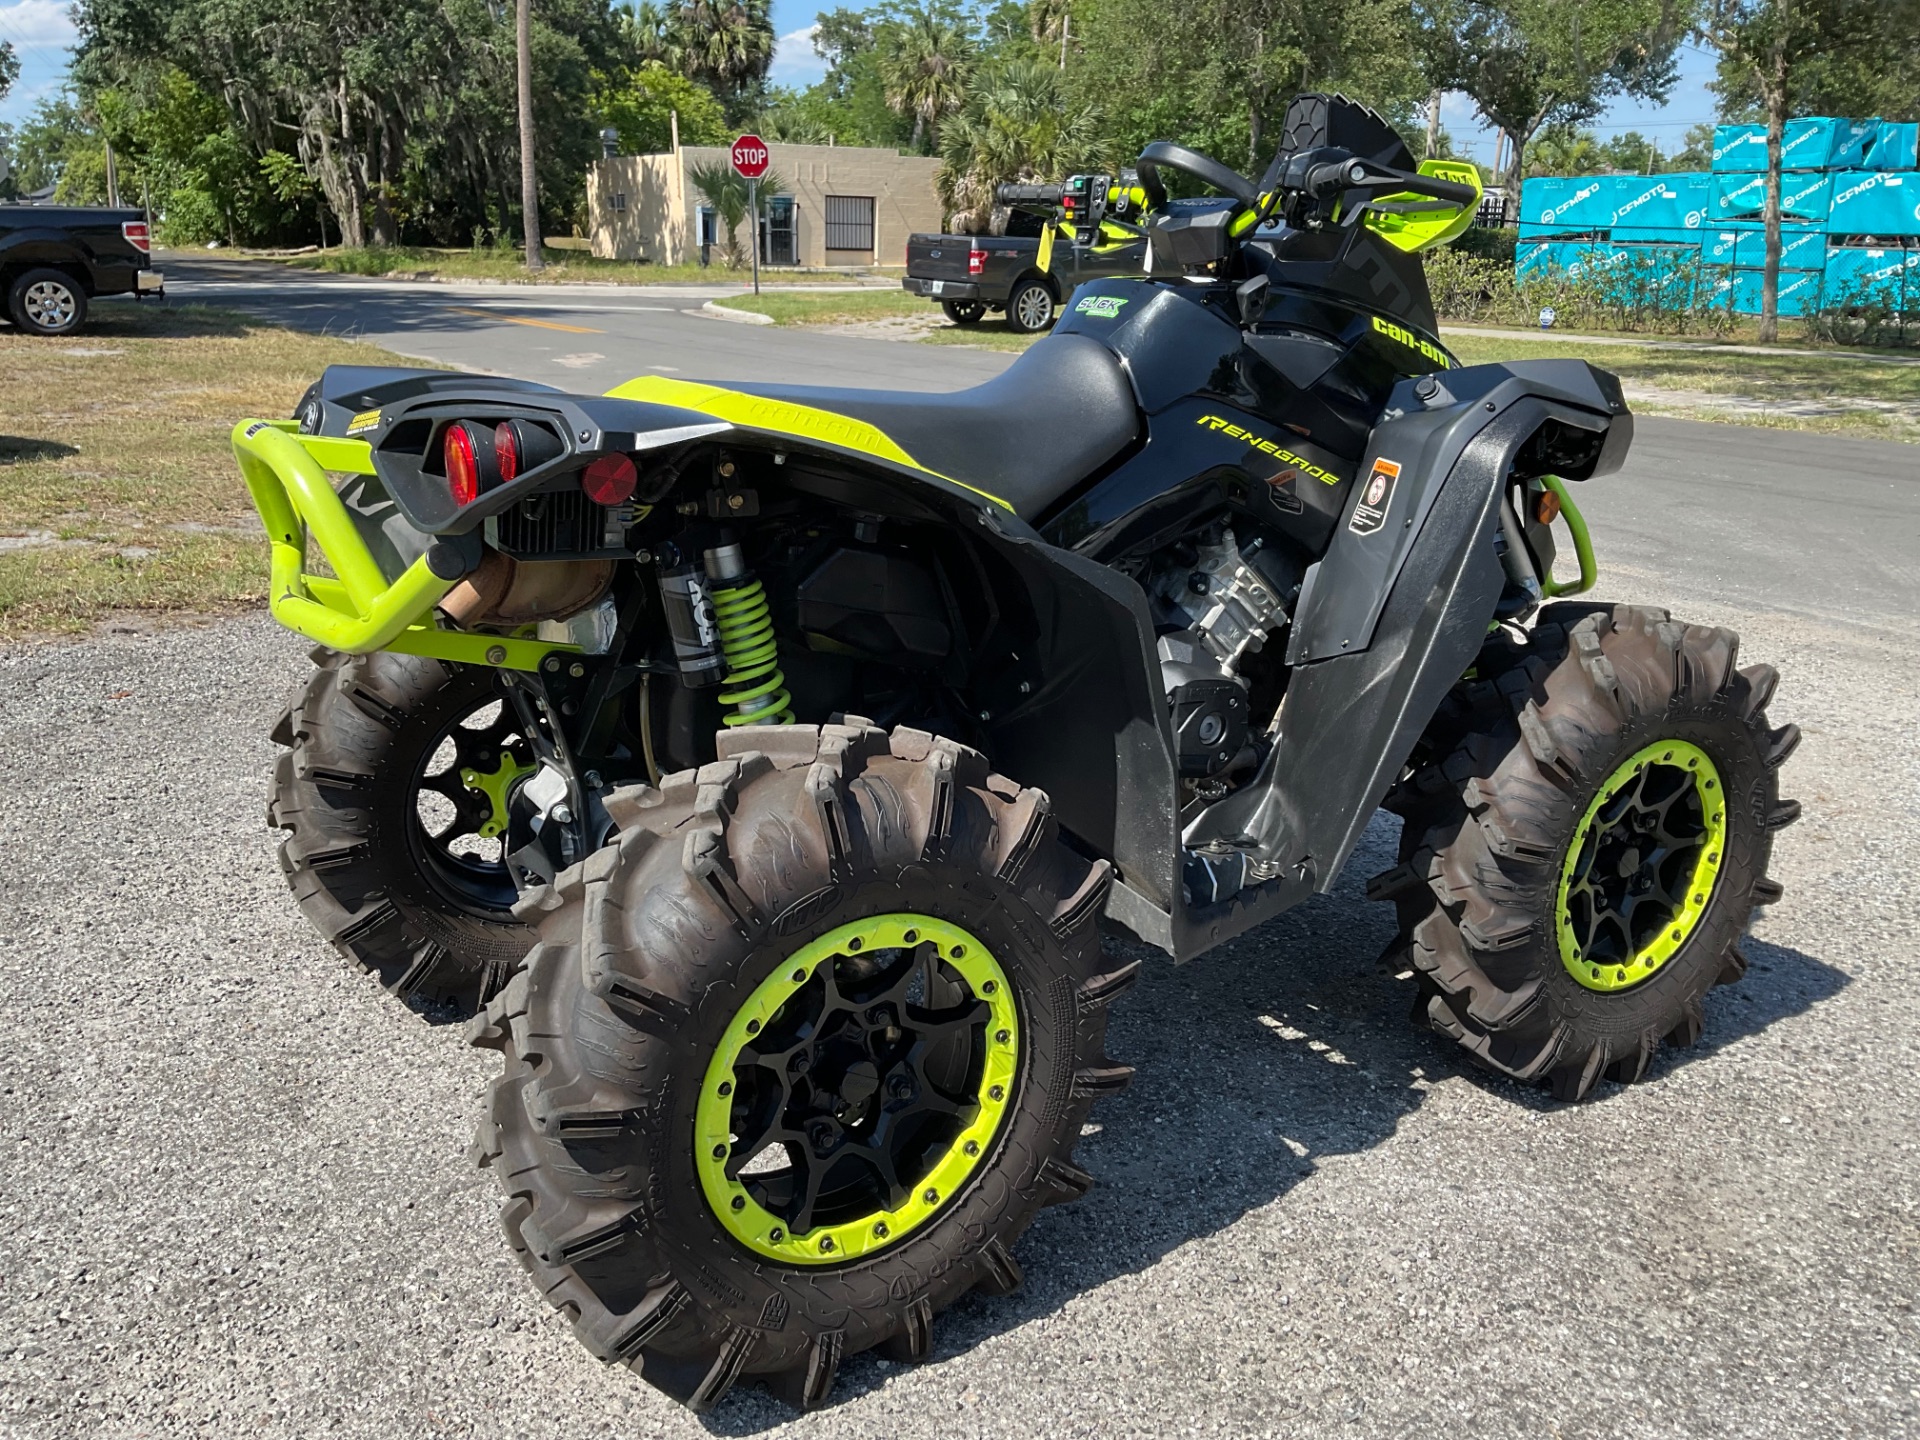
(1019,124)
(925,64)
(726,43)
(723,188)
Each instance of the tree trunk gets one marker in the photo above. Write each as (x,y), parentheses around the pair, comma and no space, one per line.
(1433,123)
(1776,98)
(529,173)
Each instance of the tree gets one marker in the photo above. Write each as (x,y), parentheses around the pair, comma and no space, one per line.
(725,189)
(1019,124)
(9,68)
(1528,64)
(726,43)
(642,102)
(1769,40)
(925,62)
(1881,79)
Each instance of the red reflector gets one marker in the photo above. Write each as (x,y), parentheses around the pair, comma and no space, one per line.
(136,233)
(506,451)
(976,261)
(610,480)
(463,467)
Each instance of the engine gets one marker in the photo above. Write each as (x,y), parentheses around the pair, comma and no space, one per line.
(1218,602)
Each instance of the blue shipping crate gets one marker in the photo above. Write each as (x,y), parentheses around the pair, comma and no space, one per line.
(1719,247)
(1799,249)
(1584,203)
(1543,258)
(1803,198)
(1875,202)
(1815,143)
(1667,202)
(1799,292)
(1858,276)
(1895,146)
(1652,235)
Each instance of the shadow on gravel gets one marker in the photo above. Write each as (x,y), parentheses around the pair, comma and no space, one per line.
(1253,1063)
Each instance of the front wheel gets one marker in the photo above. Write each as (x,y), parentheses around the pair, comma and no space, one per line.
(963,312)
(1030,308)
(796,1061)
(47,302)
(1586,843)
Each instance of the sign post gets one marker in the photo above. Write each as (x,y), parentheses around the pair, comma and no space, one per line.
(750,160)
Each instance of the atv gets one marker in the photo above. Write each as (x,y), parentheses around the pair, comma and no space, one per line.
(762,762)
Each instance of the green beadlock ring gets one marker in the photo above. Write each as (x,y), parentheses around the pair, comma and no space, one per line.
(734,1206)
(1646,961)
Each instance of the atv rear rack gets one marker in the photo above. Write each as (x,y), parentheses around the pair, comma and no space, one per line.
(357,610)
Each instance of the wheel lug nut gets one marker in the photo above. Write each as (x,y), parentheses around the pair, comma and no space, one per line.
(900,1087)
(801,1062)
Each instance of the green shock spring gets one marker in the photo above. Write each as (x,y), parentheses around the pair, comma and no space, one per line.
(754,686)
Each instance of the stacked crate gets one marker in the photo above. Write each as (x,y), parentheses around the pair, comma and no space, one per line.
(1849,205)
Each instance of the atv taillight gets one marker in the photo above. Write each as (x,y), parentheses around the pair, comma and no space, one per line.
(463,464)
(506,451)
(610,480)
(136,233)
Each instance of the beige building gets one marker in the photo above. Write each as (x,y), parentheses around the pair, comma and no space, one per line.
(845,205)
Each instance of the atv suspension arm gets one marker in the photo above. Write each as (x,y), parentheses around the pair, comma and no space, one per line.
(359,610)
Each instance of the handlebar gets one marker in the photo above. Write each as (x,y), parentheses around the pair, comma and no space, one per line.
(1330,178)
(1029,194)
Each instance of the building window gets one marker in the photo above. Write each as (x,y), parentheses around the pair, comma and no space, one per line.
(850,222)
(619,199)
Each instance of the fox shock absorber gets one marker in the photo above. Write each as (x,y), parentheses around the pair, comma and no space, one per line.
(755,687)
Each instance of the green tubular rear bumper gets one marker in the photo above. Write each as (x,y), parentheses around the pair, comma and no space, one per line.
(359,611)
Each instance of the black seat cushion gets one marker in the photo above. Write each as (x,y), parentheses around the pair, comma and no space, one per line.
(1027,436)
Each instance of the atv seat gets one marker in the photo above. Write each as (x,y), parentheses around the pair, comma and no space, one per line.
(1027,436)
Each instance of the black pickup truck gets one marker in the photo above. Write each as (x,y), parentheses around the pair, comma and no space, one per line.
(55,258)
(1057,237)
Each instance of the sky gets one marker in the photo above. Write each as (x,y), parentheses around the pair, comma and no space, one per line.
(41,34)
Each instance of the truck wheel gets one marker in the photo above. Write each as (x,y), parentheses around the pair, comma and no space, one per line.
(797,1059)
(963,312)
(394,790)
(1030,308)
(1582,854)
(47,302)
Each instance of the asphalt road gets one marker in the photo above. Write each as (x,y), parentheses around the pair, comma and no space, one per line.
(236,1200)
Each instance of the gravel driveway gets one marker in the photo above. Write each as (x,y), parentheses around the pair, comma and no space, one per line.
(236,1199)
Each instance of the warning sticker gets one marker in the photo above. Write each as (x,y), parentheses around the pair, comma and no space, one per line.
(1371,513)
(364,421)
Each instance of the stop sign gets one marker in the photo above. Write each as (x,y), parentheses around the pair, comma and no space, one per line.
(750,156)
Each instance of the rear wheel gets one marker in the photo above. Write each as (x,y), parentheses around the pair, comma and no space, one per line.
(1586,842)
(797,1060)
(394,791)
(1030,308)
(963,312)
(47,302)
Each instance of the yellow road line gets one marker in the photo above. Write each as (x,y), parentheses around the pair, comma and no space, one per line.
(523,320)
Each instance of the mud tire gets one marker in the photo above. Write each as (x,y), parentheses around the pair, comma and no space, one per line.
(343,790)
(1492,805)
(646,952)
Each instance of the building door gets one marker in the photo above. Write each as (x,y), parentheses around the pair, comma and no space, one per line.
(709,232)
(776,240)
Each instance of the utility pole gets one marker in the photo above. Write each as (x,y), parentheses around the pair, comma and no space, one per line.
(529,174)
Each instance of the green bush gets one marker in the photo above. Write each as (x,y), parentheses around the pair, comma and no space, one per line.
(1649,294)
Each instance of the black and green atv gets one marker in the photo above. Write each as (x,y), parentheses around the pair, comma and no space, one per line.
(763,761)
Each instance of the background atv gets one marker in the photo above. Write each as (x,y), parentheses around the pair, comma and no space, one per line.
(1144,631)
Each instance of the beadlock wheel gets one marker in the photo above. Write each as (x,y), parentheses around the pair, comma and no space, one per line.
(797,1059)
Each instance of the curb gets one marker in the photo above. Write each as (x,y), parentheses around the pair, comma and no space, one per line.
(740,317)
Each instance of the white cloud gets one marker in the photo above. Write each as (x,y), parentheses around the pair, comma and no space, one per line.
(794,62)
(29,24)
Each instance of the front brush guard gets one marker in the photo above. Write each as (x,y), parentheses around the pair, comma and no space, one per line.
(358,610)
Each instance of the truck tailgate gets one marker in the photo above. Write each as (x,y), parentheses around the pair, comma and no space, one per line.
(938,257)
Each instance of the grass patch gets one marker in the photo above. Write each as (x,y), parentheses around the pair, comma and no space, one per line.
(1793,390)
(847,307)
(116,471)
(563,267)
(881,305)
